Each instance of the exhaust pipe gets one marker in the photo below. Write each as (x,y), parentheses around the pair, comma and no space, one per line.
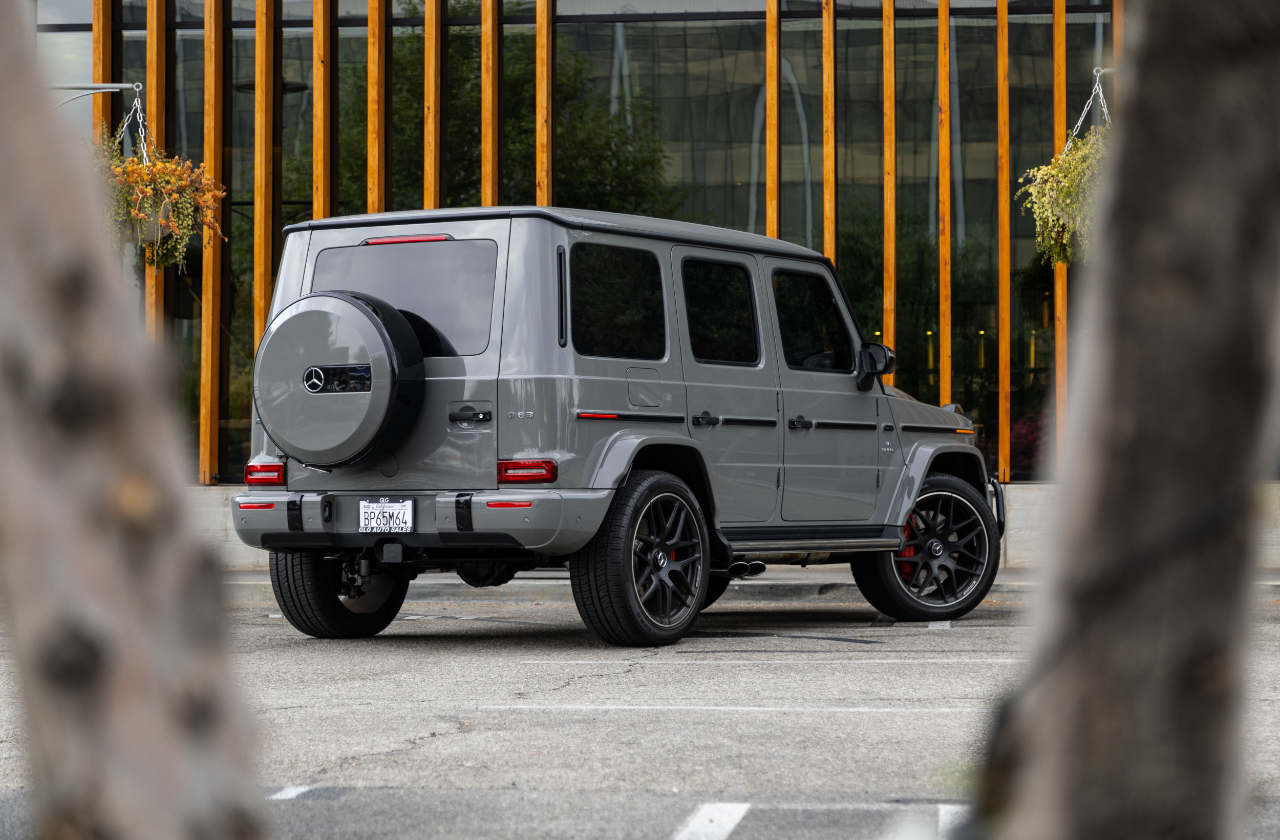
(739,568)
(755,568)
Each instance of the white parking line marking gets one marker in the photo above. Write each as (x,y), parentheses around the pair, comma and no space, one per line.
(939,625)
(713,821)
(951,818)
(763,709)
(274,615)
(290,792)
(774,661)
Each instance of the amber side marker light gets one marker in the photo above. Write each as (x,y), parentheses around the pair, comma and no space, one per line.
(264,475)
(964,431)
(396,240)
(510,504)
(257,506)
(527,472)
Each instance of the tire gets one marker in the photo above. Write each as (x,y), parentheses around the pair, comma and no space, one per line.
(637,590)
(308,590)
(916,584)
(481,575)
(716,587)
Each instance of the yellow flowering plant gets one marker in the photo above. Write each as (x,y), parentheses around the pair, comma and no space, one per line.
(1062,196)
(159,202)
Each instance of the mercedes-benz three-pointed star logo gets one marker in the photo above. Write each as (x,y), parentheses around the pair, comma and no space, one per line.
(313,379)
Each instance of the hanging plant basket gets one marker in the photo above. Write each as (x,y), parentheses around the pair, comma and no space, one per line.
(1062,194)
(156,202)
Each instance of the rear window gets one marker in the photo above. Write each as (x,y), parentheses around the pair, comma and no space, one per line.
(444,289)
(615,295)
(722,321)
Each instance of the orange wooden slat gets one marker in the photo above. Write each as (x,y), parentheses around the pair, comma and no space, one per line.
(1005,242)
(433,105)
(545,79)
(376,135)
(944,202)
(154,95)
(1060,270)
(211,279)
(101,64)
(890,177)
(263,166)
(321,109)
(772,83)
(490,101)
(829,172)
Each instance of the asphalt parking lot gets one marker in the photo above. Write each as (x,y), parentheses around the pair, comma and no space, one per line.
(496,720)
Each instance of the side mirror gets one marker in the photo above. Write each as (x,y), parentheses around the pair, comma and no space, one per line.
(874,360)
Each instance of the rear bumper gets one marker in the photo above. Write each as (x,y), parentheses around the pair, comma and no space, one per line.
(555,522)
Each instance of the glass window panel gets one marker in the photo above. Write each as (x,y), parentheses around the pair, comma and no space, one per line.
(462,114)
(663,119)
(800,132)
(917,276)
(295,125)
(519,138)
(1031,393)
(296,10)
(813,333)
(615,300)
(237,290)
(445,289)
(243,10)
(405,114)
(133,11)
(67,58)
(351,149)
(64,11)
(353,8)
(859,158)
(975,349)
(186,119)
(188,10)
(722,322)
(656,7)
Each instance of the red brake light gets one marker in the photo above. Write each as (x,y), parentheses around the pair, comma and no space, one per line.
(257,506)
(510,504)
(395,240)
(527,472)
(264,474)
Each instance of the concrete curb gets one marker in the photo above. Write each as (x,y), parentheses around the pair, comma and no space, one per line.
(742,592)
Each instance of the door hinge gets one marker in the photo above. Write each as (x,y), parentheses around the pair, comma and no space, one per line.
(778,482)
(778,395)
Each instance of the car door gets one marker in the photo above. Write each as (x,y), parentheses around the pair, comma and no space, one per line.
(731,379)
(831,440)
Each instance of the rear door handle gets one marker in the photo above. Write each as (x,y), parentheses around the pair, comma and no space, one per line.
(469,416)
(799,423)
(705,419)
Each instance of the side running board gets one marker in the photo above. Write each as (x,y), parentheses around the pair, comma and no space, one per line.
(790,540)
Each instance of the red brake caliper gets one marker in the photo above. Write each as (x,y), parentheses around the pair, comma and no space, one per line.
(905,569)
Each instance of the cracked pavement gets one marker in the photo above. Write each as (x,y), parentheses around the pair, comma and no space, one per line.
(509,720)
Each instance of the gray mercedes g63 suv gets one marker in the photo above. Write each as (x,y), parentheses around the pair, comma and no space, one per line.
(661,406)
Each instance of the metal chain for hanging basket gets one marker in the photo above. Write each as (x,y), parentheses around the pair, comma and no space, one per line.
(1098,73)
(144,131)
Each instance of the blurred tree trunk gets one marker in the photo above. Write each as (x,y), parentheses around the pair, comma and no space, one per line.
(134,727)
(1129,725)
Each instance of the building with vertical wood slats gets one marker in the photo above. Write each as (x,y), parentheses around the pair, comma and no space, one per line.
(889,137)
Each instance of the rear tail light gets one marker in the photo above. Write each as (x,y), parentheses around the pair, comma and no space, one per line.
(257,506)
(510,504)
(527,472)
(264,474)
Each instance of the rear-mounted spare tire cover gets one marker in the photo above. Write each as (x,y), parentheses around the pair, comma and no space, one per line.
(338,379)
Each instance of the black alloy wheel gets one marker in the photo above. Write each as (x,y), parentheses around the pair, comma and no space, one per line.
(666,560)
(643,577)
(948,561)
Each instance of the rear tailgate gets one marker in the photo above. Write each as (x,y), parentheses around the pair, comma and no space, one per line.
(452,291)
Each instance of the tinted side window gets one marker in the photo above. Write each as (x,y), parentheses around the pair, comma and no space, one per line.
(813,333)
(722,322)
(615,295)
(444,289)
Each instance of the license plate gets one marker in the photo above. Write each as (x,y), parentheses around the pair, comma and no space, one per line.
(386,516)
